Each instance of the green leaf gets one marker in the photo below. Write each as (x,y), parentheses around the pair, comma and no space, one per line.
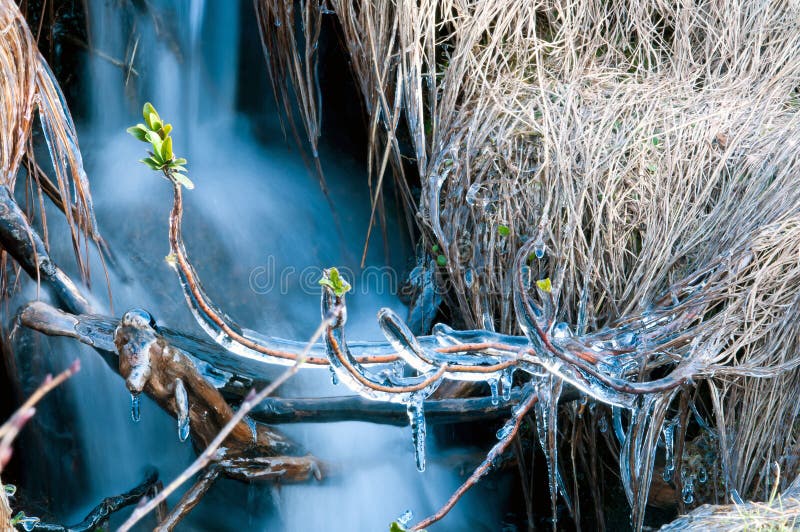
(151,116)
(182,180)
(441,260)
(139,131)
(176,167)
(503,230)
(154,139)
(545,285)
(656,141)
(435,248)
(180,160)
(332,280)
(152,163)
(395,527)
(166,129)
(154,122)
(166,149)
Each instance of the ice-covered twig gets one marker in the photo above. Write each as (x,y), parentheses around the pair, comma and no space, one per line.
(100,513)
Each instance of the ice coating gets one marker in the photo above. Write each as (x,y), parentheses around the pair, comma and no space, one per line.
(182,404)
(135,404)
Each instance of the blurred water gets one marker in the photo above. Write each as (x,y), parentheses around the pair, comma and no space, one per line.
(253,200)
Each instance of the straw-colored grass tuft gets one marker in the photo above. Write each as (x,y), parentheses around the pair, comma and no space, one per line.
(27,86)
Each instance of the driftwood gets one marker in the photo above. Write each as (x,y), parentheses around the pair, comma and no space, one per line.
(167,374)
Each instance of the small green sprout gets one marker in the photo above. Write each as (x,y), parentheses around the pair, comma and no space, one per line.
(503,230)
(545,285)
(334,281)
(156,132)
(656,141)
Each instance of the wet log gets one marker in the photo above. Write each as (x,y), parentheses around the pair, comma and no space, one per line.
(234,378)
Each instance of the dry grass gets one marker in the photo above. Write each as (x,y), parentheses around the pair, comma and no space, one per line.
(27,86)
(639,141)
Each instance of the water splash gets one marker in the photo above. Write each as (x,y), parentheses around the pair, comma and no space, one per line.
(135,414)
(405,519)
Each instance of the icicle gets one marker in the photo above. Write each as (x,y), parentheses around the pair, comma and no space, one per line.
(702,475)
(493,389)
(506,380)
(334,378)
(669,446)
(687,492)
(602,424)
(135,416)
(488,321)
(416,417)
(616,418)
(546,427)
(182,403)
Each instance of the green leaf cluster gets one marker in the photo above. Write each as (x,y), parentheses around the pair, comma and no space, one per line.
(334,281)
(156,132)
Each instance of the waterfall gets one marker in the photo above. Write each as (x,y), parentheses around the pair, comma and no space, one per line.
(255,205)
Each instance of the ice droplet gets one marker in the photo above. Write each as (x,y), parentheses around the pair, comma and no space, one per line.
(561,330)
(10,490)
(135,415)
(405,519)
(494,391)
(416,417)
(504,431)
(506,380)
(702,475)
(472,193)
(334,377)
(602,424)
(183,429)
(539,249)
(469,278)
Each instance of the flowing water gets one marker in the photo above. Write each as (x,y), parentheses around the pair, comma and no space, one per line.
(258,228)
